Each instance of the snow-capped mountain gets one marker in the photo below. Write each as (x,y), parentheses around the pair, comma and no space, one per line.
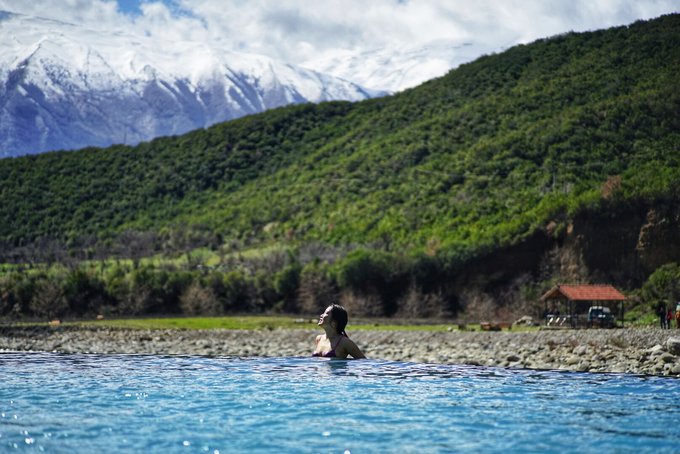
(63,86)
(396,69)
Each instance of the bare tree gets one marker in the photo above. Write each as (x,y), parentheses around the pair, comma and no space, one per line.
(197,300)
(416,304)
(477,306)
(48,300)
(316,292)
(367,304)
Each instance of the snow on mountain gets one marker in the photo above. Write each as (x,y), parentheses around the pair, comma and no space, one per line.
(63,86)
(396,69)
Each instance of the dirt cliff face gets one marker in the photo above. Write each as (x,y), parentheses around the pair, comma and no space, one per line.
(619,246)
(659,238)
(606,243)
(624,246)
(504,265)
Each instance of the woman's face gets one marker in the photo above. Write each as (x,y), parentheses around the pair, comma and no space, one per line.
(325,318)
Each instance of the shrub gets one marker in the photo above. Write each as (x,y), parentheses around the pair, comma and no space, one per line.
(263,294)
(416,304)
(426,273)
(135,301)
(362,270)
(477,306)
(373,276)
(83,292)
(662,286)
(233,290)
(287,285)
(366,304)
(48,299)
(198,300)
(317,290)
(139,296)
(16,292)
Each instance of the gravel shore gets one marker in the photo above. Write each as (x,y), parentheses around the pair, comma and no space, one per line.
(647,351)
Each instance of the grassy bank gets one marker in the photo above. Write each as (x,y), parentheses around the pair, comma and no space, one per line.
(254,323)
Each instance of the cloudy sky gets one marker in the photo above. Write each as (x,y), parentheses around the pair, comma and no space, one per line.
(339,36)
(300,30)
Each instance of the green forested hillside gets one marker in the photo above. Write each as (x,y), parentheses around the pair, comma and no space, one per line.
(480,159)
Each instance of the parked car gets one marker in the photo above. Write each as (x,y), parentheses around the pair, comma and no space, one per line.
(601,316)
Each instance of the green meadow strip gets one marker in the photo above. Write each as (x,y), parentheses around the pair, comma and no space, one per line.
(260,322)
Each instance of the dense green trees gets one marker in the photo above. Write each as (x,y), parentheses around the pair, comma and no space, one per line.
(426,179)
(663,286)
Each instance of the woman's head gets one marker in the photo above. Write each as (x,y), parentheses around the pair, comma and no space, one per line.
(335,316)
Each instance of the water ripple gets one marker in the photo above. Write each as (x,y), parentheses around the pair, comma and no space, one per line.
(83,403)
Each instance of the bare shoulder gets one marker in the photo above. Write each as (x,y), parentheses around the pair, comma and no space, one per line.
(351,348)
(318,338)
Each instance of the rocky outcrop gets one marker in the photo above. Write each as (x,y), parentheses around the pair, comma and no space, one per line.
(619,245)
(659,237)
(624,245)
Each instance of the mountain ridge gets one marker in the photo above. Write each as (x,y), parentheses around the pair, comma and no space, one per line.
(58,93)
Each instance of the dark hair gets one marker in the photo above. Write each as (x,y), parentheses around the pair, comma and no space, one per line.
(339,316)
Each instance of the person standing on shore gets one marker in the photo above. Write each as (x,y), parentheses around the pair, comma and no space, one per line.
(661,312)
(335,343)
(669,318)
(677,315)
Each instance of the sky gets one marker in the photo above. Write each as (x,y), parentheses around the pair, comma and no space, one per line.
(299,31)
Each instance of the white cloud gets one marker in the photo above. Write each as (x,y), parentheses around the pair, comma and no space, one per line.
(90,12)
(301,30)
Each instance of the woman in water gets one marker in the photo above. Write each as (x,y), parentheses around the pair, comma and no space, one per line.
(335,343)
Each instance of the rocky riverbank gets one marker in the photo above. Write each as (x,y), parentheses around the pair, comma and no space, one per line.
(631,350)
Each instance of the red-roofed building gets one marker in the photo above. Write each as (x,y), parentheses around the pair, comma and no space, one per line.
(571,304)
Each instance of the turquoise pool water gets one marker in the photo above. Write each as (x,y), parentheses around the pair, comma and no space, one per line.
(129,403)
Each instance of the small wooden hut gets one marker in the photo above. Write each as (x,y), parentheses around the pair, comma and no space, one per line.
(569,304)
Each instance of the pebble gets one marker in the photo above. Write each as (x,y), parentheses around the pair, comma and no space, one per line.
(629,350)
(580,350)
(673,345)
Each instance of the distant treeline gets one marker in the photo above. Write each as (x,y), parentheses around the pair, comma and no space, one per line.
(367,282)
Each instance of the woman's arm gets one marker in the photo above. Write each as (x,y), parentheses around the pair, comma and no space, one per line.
(353,350)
